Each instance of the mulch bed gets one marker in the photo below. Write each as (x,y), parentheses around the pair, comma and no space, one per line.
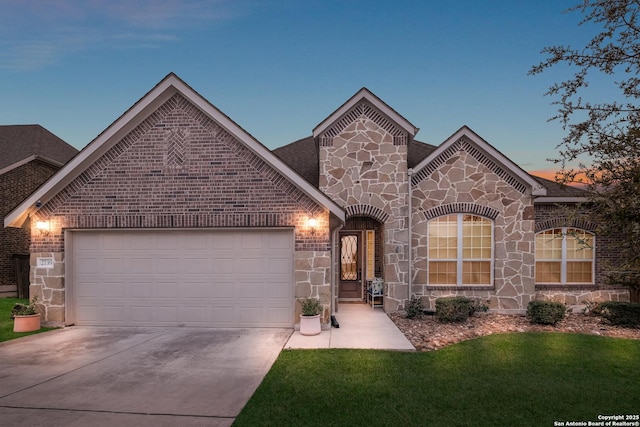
(427,333)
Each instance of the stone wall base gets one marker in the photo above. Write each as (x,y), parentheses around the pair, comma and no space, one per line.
(47,283)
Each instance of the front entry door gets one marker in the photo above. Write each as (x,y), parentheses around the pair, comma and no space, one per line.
(350,268)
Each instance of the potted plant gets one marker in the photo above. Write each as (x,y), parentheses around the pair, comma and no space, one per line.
(26,317)
(310,317)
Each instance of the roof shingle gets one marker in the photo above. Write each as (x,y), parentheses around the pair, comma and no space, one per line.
(19,142)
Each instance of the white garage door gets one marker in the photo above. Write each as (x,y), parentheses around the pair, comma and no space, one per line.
(182,278)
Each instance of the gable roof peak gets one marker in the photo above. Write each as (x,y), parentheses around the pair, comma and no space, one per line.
(365,94)
(168,87)
(484,150)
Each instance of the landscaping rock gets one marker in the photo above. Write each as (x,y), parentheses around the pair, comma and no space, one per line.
(426,333)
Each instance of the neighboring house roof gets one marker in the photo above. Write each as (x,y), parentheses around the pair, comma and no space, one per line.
(559,193)
(20,144)
(148,104)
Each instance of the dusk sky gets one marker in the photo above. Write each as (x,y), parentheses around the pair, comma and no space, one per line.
(279,67)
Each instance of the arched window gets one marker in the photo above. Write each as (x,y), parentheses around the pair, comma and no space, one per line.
(565,256)
(460,250)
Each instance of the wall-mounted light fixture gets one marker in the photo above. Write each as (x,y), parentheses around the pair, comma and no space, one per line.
(43,227)
(313,224)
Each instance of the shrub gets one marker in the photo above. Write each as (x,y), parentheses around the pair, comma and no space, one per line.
(546,312)
(414,307)
(621,313)
(453,309)
(592,308)
(477,306)
(311,307)
(20,309)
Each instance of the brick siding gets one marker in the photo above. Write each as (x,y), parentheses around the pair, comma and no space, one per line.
(15,186)
(206,179)
(607,247)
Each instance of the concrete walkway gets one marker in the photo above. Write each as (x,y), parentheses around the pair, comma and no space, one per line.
(360,327)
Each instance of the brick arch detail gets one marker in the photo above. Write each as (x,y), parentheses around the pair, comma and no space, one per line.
(367,210)
(565,222)
(453,208)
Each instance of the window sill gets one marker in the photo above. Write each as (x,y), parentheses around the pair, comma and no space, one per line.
(557,286)
(460,288)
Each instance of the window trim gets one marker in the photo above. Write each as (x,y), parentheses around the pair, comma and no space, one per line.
(459,253)
(563,258)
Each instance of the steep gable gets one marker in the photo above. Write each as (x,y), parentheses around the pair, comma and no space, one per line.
(153,134)
(365,103)
(468,141)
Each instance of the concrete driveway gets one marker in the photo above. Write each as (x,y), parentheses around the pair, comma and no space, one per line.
(83,376)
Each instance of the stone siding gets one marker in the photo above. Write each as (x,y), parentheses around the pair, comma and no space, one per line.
(312,272)
(363,168)
(47,284)
(462,181)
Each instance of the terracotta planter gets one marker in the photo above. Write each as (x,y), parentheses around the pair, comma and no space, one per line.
(28,323)
(310,325)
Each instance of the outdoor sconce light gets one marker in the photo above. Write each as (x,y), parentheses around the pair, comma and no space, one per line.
(43,226)
(313,223)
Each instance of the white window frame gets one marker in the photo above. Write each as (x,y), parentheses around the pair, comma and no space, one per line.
(459,252)
(563,258)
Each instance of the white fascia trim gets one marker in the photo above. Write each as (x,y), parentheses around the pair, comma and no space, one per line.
(17,164)
(27,160)
(536,188)
(551,199)
(90,153)
(376,102)
(132,118)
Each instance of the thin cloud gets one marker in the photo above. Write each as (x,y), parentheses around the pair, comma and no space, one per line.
(39,33)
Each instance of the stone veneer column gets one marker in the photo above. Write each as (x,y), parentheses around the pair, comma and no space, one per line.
(47,284)
(312,277)
(364,165)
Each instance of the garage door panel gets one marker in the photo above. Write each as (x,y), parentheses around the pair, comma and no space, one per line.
(222,265)
(166,265)
(167,242)
(196,266)
(166,314)
(278,266)
(168,290)
(223,242)
(113,242)
(277,290)
(141,265)
(142,242)
(90,313)
(277,315)
(115,290)
(197,242)
(141,288)
(87,265)
(239,278)
(197,290)
(114,313)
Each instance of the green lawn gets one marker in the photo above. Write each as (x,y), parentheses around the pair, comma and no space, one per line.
(6,323)
(523,379)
